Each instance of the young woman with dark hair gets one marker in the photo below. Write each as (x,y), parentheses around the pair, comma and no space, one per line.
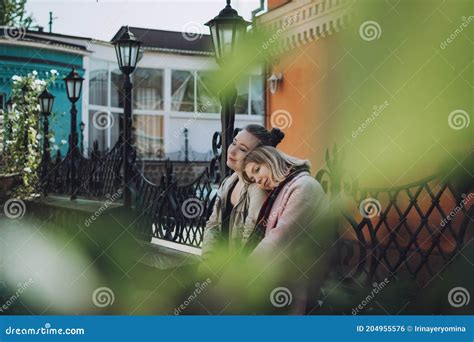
(238,203)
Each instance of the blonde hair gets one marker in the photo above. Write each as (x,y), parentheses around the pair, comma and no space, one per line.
(279,163)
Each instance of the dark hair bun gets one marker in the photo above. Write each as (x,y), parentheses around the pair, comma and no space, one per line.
(266,137)
(278,135)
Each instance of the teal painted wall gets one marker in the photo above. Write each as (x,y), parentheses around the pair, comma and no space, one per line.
(19,60)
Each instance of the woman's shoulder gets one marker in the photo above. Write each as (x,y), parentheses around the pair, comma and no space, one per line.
(226,183)
(254,190)
(304,191)
(306,183)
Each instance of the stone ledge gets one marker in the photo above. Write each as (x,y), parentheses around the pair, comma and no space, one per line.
(82,205)
(164,258)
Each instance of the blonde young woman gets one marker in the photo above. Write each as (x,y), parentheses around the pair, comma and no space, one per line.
(238,203)
(287,224)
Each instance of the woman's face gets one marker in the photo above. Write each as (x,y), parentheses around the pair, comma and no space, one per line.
(243,143)
(260,174)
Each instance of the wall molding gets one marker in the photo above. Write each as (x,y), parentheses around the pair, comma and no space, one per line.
(303,21)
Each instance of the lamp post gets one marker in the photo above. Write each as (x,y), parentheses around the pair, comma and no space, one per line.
(8,128)
(227,30)
(24,90)
(186,145)
(73,83)
(9,105)
(127,48)
(82,126)
(46,100)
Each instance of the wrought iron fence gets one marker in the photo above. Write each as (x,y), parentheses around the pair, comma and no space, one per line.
(403,230)
(97,176)
(168,211)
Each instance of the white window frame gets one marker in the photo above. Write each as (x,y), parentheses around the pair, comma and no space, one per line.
(166,113)
(208,115)
(91,107)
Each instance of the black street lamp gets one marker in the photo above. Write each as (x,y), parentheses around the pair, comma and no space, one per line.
(8,128)
(82,126)
(46,100)
(9,105)
(186,145)
(127,48)
(227,31)
(24,90)
(73,83)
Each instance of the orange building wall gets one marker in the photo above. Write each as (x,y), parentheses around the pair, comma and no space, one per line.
(304,94)
(305,98)
(276,3)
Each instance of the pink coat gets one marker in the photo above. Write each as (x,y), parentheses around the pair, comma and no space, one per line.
(290,247)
